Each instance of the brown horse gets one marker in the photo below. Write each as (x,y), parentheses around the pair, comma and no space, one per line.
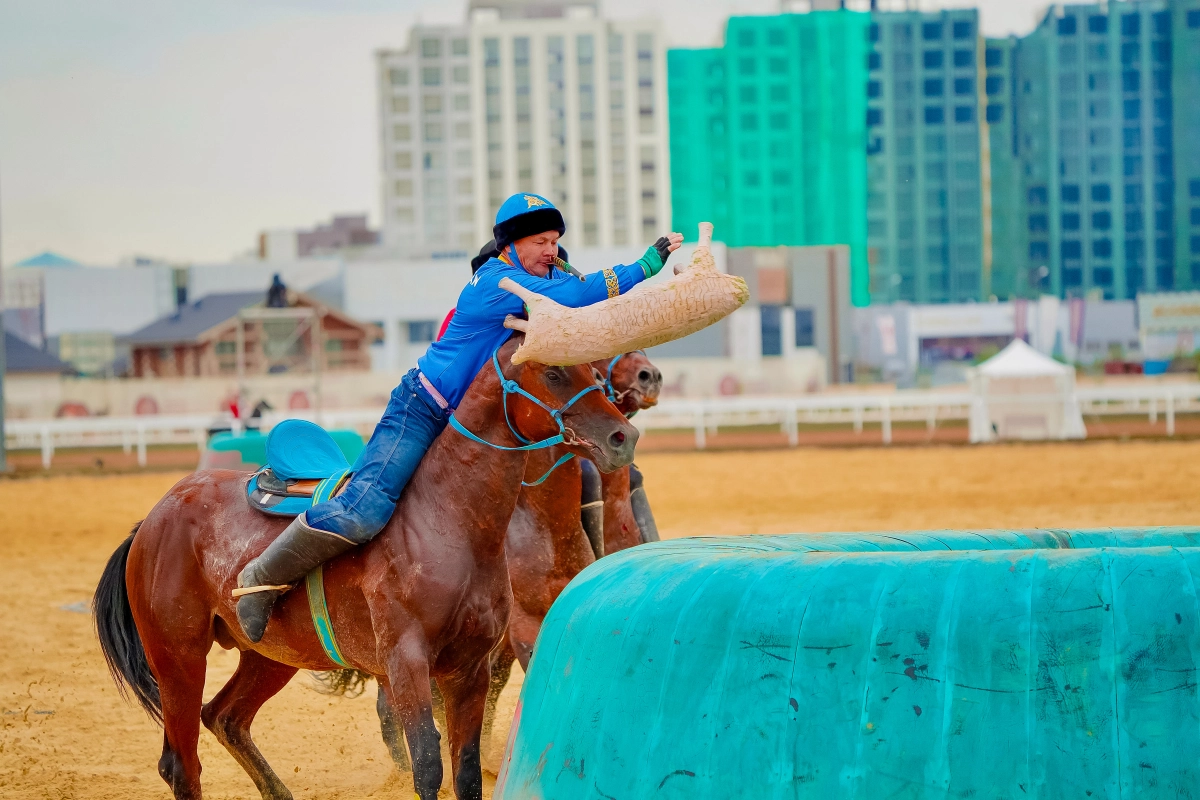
(546,543)
(428,597)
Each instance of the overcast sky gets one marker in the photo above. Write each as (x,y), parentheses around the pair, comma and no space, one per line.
(181,129)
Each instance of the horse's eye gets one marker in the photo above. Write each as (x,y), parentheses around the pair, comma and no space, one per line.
(553,375)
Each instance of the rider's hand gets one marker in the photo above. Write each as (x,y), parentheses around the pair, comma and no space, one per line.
(656,255)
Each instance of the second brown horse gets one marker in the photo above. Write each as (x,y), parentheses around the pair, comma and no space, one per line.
(546,543)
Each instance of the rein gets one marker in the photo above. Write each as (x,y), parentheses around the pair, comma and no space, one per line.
(511,387)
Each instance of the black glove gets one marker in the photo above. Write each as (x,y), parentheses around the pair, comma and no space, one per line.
(663,246)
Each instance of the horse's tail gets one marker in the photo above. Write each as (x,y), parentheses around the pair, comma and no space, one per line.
(118,634)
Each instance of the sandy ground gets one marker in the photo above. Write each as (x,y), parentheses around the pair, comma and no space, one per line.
(65,732)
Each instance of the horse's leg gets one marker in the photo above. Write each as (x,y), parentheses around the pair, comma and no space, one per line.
(466,696)
(229,714)
(179,669)
(392,731)
(501,668)
(412,703)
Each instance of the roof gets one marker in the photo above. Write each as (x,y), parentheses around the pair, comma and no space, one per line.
(21,356)
(193,319)
(1019,360)
(47,259)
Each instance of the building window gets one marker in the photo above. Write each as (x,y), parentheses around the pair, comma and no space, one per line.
(1039,223)
(1102,276)
(874,89)
(993,85)
(933,87)
(776,37)
(1039,251)
(874,117)
(1102,220)
(993,57)
(431,48)
(1038,196)
(933,59)
(402,133)
(874,61)
(1131,24)
(1193,21)
(403,160)
(934,115)
(805,333)
(433,131)
(1097,23)
(432,104)
(1066,26)
(462,74)
(1070,193)
(1131,53)
(459,47)
(1072,249)
(400,104)
(421,331)
(1070,222)
(398,76)
(962,29)
(1133,221)
(964,113)
(964,58)
(403,188)
(931,31)
(1072,276)
(1102,248)
(772,330)
(431,76)
(995,113)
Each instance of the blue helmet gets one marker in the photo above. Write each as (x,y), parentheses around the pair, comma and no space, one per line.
(523,215)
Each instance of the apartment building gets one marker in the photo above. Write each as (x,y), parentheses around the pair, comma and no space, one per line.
(428,190)
(571,106)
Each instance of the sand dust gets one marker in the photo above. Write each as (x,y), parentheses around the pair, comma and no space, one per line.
(65,732)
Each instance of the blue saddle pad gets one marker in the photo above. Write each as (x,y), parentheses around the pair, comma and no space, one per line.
(297,451)
(300,450)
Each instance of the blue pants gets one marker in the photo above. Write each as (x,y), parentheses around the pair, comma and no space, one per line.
(409,425)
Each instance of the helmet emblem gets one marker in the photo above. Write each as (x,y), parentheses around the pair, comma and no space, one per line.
(533,201)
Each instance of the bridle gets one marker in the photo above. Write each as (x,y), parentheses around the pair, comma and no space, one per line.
(512,387)
(610,391)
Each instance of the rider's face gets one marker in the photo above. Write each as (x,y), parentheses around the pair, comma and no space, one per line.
(537,252)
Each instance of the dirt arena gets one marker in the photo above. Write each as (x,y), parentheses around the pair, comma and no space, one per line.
(65,733)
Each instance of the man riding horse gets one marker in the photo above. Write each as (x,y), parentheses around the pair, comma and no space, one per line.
(527,230)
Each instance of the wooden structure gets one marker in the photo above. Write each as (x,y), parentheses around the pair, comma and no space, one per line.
(236,335)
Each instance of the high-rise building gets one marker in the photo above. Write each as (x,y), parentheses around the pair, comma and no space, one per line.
(925,215)
(1185,96)
(1093,101)
(768,134)
(425,147)
(1003,194)
(571,106)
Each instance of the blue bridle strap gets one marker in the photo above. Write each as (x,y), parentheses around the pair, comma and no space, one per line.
(512,387)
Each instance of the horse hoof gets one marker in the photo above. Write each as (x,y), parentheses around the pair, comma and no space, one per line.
(253,612)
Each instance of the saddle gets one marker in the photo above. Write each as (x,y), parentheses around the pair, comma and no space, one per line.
(304,466)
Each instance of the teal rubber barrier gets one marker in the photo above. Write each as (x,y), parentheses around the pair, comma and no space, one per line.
(1031,664)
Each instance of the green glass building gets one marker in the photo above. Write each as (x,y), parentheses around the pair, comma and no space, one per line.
(1004,230)
(767,142)
(924,211)
(1106,135)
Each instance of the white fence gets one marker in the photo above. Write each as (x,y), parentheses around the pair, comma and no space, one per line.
(703,417)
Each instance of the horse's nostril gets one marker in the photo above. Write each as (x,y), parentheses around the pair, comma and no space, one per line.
(657,376)
(617,439)
(644,376)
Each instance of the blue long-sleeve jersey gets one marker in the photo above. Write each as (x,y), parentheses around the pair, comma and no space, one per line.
(477,328)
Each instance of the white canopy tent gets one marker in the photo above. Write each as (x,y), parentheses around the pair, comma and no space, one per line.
(1022,394)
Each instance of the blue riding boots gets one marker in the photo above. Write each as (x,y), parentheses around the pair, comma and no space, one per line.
(412,420)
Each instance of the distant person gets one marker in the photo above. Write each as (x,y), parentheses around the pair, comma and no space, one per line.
(527,230)
(277,293)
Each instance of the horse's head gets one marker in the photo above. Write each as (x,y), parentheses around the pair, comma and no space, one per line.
(593,428)
(632,381)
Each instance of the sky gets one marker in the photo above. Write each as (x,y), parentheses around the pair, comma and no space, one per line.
(180,129)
